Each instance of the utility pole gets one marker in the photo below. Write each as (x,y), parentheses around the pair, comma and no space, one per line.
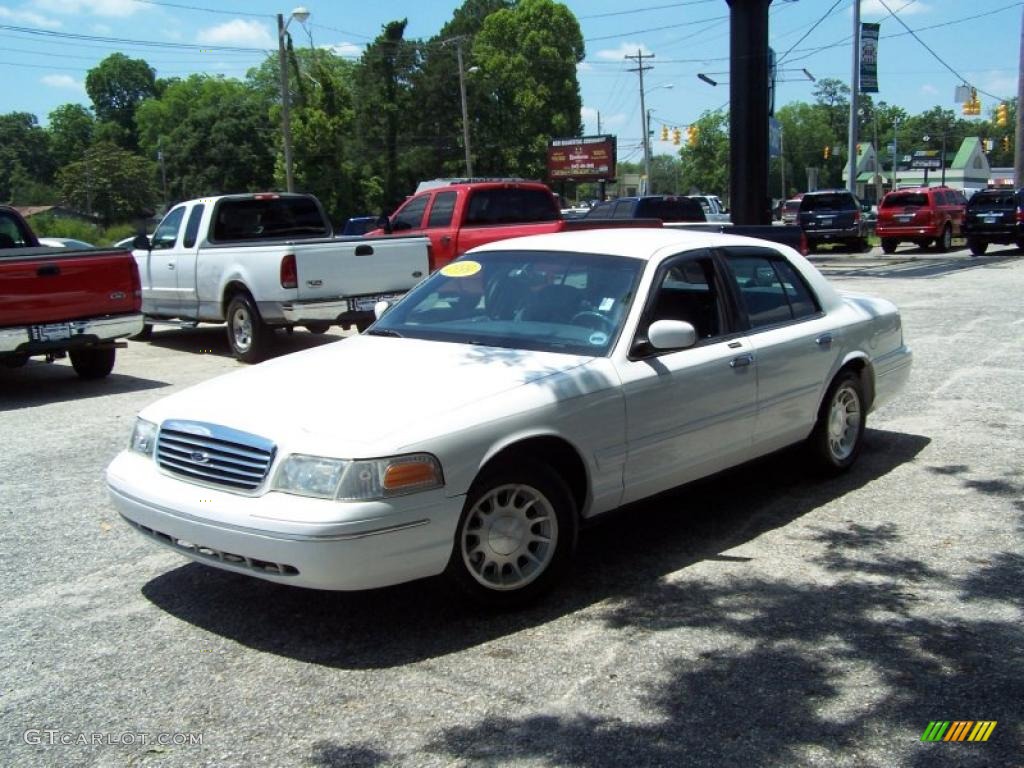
(1018,153)
(782,160)
(599,122)
(286,119)
(640,68)
(854,91)
(465,111)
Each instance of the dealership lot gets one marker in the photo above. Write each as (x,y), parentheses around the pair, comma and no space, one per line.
(759,618)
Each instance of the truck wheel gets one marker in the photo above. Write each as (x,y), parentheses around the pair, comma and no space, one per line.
(889,244)
(318,328)
(145,334)
(248,335)
(978,247)
(944,241)
(516,534)
(836,440)
(92,363)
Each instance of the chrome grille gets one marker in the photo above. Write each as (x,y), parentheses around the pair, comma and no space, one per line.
(214,455)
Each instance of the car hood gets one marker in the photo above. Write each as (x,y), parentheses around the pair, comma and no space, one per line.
(361,394)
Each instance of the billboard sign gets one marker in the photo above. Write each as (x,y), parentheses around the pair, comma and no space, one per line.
(587,158)
(926,159)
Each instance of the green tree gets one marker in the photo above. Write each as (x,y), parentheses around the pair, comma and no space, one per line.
(666,175)
(109,181)
(117,85)
(71,132)
(527,56)
(215,134)
(25,159)
(705,167)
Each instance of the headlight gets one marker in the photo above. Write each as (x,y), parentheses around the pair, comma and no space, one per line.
(143,437)
(364,480)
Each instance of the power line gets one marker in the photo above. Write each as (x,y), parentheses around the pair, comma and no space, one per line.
(642,10)
(814,26)
(121,40)
(654,29)
(206,10)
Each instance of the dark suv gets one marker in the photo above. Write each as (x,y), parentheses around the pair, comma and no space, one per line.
(664,207)
(832,215)
(994,216)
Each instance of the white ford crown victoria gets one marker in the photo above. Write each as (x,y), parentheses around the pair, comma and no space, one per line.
(531,384)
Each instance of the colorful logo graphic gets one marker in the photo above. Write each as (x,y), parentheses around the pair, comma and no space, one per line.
(959,730)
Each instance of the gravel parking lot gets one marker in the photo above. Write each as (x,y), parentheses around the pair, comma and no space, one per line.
(757,618)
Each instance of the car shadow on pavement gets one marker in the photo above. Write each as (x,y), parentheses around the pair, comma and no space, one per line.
(212,340)
(38,383)
(620,561)
(915,267)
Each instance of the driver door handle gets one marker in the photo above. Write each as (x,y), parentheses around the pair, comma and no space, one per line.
(824,340)
(741,362)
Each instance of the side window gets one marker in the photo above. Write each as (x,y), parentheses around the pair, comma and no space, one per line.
(763,293)
(410,215)
(801,300)
(192,228)
(688,291)
(166,234)
(442,209)
(623,210)
(10,233)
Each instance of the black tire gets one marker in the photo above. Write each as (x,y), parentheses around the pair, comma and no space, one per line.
(511,501)
(248,336)
(362,325)
(838,435)
(889,244)
(145,334)
(923,244)
(978,247)
(812,246)
(92,363)
(318,328)
(944,241)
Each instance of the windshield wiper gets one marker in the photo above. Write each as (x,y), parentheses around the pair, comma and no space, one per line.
(384,332)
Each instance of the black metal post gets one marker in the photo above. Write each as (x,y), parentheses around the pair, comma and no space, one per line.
(748,111)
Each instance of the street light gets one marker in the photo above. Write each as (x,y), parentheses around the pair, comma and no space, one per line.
(300,14)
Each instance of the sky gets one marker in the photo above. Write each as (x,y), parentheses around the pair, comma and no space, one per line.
(47,46)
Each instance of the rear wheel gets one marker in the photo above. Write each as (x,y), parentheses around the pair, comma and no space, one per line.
(889,244)
(978,247)
(92,363)
(944,241)
(248,335)
(838,434)
(516,534)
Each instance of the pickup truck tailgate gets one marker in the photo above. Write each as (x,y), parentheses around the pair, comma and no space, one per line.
(42,286)
(360,266)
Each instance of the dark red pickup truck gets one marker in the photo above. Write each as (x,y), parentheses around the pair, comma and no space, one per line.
(60,301)
(460,215)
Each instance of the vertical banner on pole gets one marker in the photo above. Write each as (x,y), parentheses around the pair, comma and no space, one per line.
(869,58)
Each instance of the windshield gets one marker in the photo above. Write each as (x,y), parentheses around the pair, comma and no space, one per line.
(904,199)
(573,303)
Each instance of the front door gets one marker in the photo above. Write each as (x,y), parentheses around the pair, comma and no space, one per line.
(162,263)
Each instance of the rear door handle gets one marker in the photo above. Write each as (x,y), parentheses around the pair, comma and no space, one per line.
(445,239)
(741,362)
(48,270)
(170,265)
(824,340)
(364,250)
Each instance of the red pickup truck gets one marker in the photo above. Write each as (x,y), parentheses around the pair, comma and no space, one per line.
(463,214)
(57,302)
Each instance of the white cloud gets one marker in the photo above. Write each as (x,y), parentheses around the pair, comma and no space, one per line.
(930,89)
(1001,83)
(902,8)
(28,17)
(62,81)
(238,32)
(620,53)
(95,7)
(345,50)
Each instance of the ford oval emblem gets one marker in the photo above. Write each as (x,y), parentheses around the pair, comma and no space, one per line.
(199,457)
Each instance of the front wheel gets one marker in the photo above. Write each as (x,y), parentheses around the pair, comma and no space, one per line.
(978,247)
(838,434)
(92,363)
(248,335)
(944,241)
(516,534)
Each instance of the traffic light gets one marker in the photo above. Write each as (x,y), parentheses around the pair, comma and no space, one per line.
(826,152)
(1006,143)
(677,136)
(664,133)
(1002,115)
(691,135)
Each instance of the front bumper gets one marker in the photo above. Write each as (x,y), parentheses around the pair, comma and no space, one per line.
(288,539)
(83,333)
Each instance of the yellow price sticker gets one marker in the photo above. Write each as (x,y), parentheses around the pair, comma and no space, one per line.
(461,269)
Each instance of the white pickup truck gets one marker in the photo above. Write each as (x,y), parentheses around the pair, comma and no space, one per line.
(714,209)
(266,260)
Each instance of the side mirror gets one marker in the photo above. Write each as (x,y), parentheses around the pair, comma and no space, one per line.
(671,334)
(383,222)
(141,243)
(380,308)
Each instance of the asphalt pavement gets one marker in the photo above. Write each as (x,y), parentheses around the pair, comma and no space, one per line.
(759,618)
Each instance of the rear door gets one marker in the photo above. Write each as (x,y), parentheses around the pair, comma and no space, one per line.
(440,227)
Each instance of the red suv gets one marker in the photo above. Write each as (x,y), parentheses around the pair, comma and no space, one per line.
(922,215)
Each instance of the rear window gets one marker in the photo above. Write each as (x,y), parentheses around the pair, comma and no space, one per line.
(511,206)
(678,209)
(791,205)
(836,202)
(267,219)
(904,199)
(986,201)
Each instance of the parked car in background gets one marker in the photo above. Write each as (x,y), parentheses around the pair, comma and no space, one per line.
(359,225)
(65,242)
(518,392)
(791,209)
(63,300)
(832,216)
(994,216)
(714,208)
(921,215)
(667,208)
